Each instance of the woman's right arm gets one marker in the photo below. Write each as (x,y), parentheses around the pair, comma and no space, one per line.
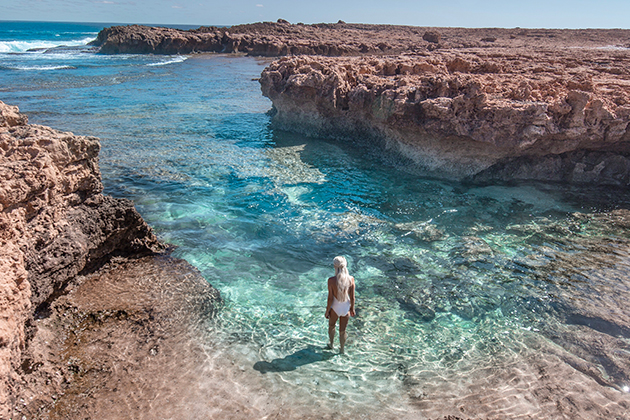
(330,299)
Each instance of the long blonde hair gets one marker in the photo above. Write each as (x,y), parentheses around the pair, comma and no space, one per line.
(343,278)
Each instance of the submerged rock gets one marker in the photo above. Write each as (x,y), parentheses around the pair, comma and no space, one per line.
(424,231)
(412,304)
(471,249)
(133,323)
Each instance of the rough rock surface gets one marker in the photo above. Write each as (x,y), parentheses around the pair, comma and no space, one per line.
(549,114)
(281,38)
(54,224)
(125,333)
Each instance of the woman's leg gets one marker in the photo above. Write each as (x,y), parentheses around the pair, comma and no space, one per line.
(332,323)
(343,322)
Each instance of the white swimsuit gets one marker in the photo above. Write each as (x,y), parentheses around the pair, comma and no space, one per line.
(341,308)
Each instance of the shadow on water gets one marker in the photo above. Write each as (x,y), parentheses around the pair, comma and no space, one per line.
(306,356)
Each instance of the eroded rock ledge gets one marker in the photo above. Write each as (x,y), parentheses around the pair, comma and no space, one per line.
(273,39)
(55,226)
(552,114)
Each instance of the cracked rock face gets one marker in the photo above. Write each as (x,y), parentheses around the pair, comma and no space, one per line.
(269,39)
(491,114)
(54,223)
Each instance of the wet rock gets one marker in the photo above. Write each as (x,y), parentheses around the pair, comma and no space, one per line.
(130,323)
(472,249)
(412,304)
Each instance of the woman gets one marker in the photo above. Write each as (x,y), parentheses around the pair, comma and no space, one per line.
(340,302)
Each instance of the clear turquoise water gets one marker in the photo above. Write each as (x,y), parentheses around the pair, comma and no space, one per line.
(456,284)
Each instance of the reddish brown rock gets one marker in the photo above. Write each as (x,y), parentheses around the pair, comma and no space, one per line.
(557,114)
(432,36)
(341,39)
(54,223)
(127,328)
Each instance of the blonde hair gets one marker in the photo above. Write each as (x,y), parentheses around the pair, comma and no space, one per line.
(343,278)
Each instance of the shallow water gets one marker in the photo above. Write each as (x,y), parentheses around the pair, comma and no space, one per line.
(482,301)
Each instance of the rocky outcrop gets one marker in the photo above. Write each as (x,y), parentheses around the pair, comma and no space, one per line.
(54,225)
(485,114)
(273,39)
(261,39)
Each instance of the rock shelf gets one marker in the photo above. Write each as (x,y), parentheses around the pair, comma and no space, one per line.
(274,39)
(482,114)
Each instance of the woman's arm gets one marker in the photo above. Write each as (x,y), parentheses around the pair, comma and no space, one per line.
(351,294)
(330,298)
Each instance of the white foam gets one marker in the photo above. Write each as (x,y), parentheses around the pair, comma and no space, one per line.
(25,46)
(171,60)
(40,68)
(613,48)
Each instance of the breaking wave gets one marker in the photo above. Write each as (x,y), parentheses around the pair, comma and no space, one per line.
(171,60)
(38,45)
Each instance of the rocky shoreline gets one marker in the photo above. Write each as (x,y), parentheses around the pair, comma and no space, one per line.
(57,230)
(480,115)
(281,38)
(466,104)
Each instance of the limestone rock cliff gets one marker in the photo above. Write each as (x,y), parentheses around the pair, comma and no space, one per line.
(269,39)
(54,224)
(274,39)
(551,114)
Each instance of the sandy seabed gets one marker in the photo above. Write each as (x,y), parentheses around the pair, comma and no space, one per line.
(136,340)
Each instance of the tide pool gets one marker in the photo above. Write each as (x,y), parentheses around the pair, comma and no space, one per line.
(492,301)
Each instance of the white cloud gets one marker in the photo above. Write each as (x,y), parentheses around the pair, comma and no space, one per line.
(259,5)
(177,7)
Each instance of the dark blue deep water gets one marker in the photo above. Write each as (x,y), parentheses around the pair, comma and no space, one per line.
(463,291)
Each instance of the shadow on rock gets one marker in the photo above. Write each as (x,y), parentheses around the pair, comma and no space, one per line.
(303,357)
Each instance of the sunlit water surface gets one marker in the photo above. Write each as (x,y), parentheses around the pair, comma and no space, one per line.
(491,301)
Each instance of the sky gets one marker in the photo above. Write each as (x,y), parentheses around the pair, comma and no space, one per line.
(454,13)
